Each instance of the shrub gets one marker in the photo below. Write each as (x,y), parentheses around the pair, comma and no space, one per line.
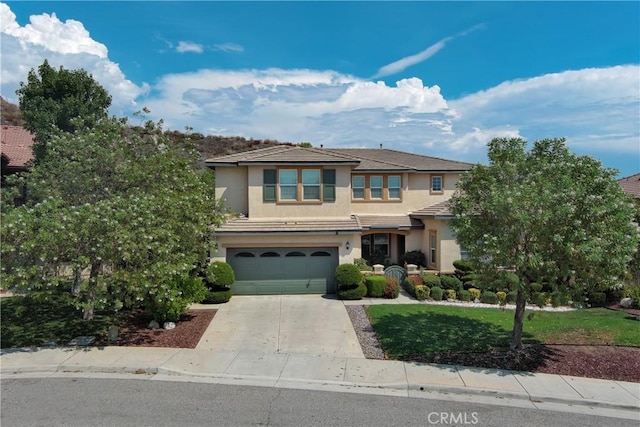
(502,297)
(464,295)
(632,291)
(450,282)
(218,296)
(559,299)
(174,301)
(489,297)
(597,299)
(220,274)
(535,287)
(436,293)
(508,281)
(475,293)
(463,265)
(348,275)
(352,292)
(539,299)
(430,279)
(511,297)
(362,265)
(451,294)
(410,283)
(393,288)
(375,286)
(470,280)
(422,292)
(414,257)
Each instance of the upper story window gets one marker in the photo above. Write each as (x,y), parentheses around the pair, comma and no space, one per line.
(376,187)
(437,184)
(298,185)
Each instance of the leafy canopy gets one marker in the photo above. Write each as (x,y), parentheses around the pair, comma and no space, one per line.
(547,213)
(128,204)
(65,100)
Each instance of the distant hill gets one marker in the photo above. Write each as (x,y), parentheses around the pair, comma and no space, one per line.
(10,113)
(207,146)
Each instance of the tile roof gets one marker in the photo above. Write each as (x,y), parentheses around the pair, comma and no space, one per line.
(437,210)
(631,185)
(290,226)
(282,155)
(16,143)
(389,222)
(365,159)
(385,159)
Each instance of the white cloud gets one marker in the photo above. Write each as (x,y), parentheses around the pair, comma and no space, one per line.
(229,47)
(184,47)
(66,44)
(407,61)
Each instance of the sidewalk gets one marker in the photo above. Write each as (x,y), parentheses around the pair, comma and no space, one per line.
(543,391)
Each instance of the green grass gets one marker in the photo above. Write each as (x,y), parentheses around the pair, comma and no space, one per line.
(412,330)
(28,322)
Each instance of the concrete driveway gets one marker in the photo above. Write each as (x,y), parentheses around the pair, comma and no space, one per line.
(288,324)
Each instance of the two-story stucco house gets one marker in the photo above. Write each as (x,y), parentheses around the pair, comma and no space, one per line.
(302,211)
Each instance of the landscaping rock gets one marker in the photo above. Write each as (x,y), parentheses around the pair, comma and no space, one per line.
(626,302)
(154,325)
(169,325)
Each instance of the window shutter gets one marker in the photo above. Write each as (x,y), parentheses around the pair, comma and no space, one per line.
(269,185)
(329,184)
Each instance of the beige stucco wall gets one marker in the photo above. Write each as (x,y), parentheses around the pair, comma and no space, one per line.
(415,195)
(338,208)
(231,187)
(285,241)
(447,249)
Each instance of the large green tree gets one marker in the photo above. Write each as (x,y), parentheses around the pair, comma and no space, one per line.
(127,205)
(60,99)
(546,213)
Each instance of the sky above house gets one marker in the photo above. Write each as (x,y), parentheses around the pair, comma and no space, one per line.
(435,78)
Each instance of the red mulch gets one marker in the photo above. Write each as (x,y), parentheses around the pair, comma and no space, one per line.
(134,331)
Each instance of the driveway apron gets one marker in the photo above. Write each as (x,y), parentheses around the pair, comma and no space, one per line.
(287,324)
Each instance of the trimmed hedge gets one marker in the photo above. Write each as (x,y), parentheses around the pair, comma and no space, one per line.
(349,275)
(375,286)
(220,273)
(437,293)
(352,292)
(464,295)
(451,282)
(430,279)
(489,297)
(218,296)
(422,292)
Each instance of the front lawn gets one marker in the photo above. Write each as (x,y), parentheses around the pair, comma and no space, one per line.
(406,331)
(30,322)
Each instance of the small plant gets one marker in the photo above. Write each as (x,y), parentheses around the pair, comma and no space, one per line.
(422,292)
(451,282)
(348,275)
(475,293)
(392,290)
(489,297)
(451,294)
(464,295)
(539,299)
(218,296)
(430,279)
(410,283)
(437,293)
(502,297)
(375,286)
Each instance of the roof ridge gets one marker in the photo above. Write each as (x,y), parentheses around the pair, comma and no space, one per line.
(380,161)
(430,157)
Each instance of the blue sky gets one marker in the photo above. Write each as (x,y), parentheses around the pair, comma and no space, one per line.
(434,78)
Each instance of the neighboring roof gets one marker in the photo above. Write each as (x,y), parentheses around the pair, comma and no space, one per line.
(438,210)
(631,185)
(16,143)
(375,159)
(365,159)
(389,222)
(291,226)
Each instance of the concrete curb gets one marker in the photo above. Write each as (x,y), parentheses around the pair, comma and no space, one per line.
(310,383)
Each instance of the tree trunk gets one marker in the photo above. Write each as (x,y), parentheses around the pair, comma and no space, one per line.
(518,319)
(77,277)
(87,313)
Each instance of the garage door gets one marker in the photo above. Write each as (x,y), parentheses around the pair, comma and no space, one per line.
(269,271)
